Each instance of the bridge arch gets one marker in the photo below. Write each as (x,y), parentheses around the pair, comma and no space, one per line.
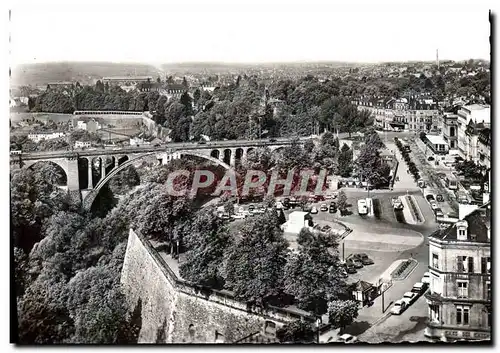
(227,155)
(62,169)
(210,158)
(90,197)
(215,154)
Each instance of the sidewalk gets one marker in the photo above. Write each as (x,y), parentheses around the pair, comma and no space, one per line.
(373,315)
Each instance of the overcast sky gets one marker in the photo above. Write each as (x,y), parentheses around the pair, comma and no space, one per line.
(252,33)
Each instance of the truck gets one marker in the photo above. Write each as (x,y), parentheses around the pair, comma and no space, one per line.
(362,207)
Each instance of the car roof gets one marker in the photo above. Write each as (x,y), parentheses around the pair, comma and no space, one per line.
(409,293)
(399,301)
(418,284)
(346,335)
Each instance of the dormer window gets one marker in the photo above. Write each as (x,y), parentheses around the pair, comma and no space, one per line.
(462,230)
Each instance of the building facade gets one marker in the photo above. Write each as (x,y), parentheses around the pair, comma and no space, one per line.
(37,137)
(459,298)
(82,144)
(477,114)
(450,130)
(484,148)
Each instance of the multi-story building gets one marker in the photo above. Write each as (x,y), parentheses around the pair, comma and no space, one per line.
(477,114)
(37,137)
(127,80)
(450,130)
(60,85)
(82,144)
(472,133)
(484,147)
(459,298)
(89,125)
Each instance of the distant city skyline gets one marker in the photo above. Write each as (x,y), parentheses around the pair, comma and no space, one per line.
(248,34)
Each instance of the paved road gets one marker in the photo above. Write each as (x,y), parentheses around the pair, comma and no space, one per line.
(407,327)
(162,148)
(435,184)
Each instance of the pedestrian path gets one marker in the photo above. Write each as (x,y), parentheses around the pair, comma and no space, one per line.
(405,181)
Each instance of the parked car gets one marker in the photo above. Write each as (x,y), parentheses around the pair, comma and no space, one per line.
(365,260)
(306,208)
(430,197)
(434,205)
(156,145)
(272,140)
(438,212)
(397,204)
(333,207)
(410,297)
(349,267)
(399,307)
(313,210)
(426,279)
(356,262)
(419,288)
(251,208)
(323,208)
(347,338)
(430,159)
(202,142)
(439,198)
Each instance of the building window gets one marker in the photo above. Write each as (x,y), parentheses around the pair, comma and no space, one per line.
(488,317)
(462,289)
(191,331)
(470,265)
(485,265)
(434,313)
(488,291)
(461,232)
(435,261)
(460,263)
(462,315)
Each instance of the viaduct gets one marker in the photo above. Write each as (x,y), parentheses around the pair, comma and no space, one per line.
(87,171)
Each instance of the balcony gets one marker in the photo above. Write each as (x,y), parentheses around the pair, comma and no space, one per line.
(433,297)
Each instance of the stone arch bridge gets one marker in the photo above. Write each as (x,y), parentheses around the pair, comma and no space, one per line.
(87,171)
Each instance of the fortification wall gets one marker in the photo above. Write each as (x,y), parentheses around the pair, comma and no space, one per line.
(181,312)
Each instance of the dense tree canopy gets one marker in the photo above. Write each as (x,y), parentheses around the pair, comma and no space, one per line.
(312,275)
(254,264)
(207,240)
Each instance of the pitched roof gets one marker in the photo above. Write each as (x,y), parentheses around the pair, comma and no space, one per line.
(479,222)
(362,286)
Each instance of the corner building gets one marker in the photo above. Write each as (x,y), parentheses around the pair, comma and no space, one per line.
(459,298)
